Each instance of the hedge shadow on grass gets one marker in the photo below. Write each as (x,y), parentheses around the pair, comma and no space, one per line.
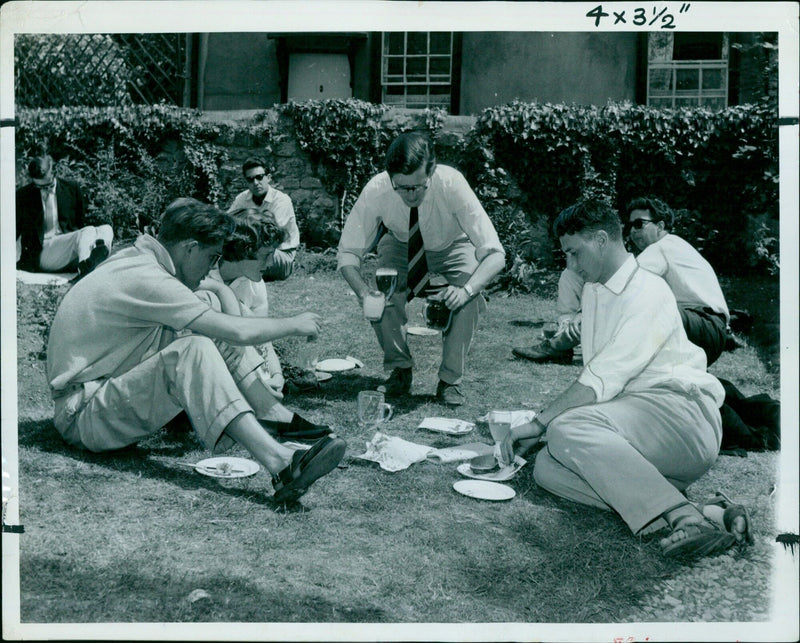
(136,459)
(97,593)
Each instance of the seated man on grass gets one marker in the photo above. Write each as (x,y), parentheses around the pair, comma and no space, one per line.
(119,367)
(262,196)
(748,422)
(694,284)
(641,422)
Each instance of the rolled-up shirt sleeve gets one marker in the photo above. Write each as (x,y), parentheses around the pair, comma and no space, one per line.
(472,218)
(360,229)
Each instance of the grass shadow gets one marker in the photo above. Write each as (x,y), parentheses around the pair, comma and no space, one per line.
(47,579)
(142,459)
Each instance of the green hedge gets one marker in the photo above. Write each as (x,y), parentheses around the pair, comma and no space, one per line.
(718,170)
(526,161)
(131,161)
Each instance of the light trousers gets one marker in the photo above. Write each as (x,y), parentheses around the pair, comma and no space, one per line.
(456,264)
(189,374)
(633,455)
(69,248)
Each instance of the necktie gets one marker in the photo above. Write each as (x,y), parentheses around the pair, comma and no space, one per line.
(50,212)
(417,266)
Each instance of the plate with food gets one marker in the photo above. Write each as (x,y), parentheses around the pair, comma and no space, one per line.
(227,467)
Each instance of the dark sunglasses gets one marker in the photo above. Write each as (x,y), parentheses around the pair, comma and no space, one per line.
(255,177)
(638,223)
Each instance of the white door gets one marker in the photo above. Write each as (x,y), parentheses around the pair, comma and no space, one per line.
(318,76)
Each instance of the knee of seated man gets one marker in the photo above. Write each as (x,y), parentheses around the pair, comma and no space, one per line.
(196,347)
(566,430)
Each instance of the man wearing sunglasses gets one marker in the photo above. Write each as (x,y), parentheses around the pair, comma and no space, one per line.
(132,345)
(693,281)
(425,219)
(51,235)
(261,196)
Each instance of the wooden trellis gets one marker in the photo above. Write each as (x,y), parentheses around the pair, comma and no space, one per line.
(56,70)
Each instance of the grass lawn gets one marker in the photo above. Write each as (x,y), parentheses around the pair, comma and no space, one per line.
(128,536)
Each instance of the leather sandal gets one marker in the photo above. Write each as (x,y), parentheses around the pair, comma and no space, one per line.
(731,511)
(703,538)
(307,467)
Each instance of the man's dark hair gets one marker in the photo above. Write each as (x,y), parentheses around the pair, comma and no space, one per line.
(255,161)
(188,218)
(409,152)
(589,215)
(254,230)
(40,166)
(659,211)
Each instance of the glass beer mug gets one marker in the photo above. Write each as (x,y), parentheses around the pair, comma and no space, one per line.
(386,280)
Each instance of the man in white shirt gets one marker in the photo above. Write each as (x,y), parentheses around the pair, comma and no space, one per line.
(260,195)
(431,209)
(641,422)
(131,345)
(693,281)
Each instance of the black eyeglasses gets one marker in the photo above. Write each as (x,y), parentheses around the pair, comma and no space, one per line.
(638,223)
(411,189)
(255,177)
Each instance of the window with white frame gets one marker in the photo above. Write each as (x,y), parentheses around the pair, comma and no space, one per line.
(417,69)
(687,69)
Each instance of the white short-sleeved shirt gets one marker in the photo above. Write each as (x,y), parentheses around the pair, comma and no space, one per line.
(449,212)
(123,312)
(633,339)
(279,205)
(691,278)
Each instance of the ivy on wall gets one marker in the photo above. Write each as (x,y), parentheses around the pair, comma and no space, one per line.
(348,139)
(131,161)
(525,161)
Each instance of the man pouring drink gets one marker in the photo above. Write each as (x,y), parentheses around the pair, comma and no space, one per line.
(433,221)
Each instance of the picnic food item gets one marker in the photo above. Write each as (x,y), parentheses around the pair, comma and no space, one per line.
(484,463)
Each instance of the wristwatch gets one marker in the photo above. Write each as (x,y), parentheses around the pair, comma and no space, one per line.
(541,425)
(468,289)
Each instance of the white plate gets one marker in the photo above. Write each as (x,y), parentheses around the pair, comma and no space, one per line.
(322,376)
(446,425)
(335,365)
(215,467)
(484,490)
(421,330)
(500,475)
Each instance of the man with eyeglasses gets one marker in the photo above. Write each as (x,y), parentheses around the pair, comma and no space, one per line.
(693,281)
(426,220)
(261,196)
(132,345)
(51,234)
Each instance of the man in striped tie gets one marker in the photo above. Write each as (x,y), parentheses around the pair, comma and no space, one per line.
(429,222)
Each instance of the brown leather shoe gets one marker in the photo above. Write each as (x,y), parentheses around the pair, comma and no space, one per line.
(542,353)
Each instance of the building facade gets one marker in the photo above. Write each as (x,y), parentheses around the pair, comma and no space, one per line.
(465,72)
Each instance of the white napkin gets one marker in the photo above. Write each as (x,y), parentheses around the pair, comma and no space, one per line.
(393,453)
(517,417)
(460,452)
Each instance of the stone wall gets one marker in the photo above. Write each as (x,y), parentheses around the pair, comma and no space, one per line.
(319,213)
